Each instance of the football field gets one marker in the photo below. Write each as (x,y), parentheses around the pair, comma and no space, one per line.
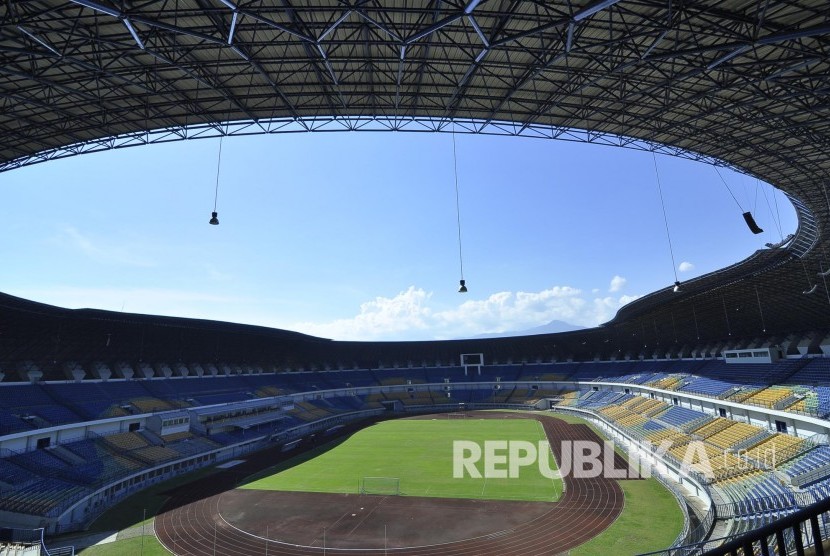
(419,454)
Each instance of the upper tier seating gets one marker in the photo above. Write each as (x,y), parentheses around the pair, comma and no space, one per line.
(768,397)
(706,386)
(11,422)
(815,372)
(671,382)
(733,435)
(777,449)
(814,460)
(680,416)
(53,404)
(760,374)
(15,475)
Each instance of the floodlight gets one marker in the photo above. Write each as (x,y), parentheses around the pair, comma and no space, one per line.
(751,224)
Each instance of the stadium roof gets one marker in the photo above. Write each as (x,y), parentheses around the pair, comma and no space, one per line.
(740,83)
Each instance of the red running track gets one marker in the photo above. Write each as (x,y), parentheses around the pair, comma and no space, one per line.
(190,523)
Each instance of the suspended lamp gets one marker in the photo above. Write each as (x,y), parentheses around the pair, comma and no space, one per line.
(214,216)
(462,283)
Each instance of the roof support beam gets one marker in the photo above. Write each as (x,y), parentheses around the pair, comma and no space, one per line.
(471,6)
(98,7)
(234,21)
(591,9)
(399,78)
(38,40)
(433,28)
(478,31)
(133,32)
(334,25)
(369,19)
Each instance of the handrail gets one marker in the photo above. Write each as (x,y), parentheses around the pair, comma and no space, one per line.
(776,529)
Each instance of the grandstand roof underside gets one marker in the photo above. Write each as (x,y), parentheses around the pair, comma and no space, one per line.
(746,83)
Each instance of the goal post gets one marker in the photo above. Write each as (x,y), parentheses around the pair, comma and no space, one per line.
(385,486)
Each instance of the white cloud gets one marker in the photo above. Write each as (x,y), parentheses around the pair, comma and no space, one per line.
(606,307)
(617,283)
(686,266)
(410,315)
(626,299)
(383,317)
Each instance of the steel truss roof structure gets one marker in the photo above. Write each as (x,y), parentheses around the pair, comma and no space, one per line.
(744,83)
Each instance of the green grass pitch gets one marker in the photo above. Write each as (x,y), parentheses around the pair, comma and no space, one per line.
(420,454)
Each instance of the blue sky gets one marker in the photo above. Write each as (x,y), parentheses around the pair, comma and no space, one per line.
(353,236)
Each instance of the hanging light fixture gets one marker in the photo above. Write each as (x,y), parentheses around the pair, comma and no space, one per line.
(677,288)
(214,216)
(811,288)
(821,272)
(748,218)
(462,283)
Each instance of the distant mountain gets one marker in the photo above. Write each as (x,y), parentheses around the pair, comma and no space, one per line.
(552,327)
